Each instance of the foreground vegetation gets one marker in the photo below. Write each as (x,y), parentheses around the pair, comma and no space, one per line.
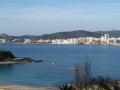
(84,80)
(99,83)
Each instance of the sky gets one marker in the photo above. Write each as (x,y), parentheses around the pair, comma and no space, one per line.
(37,17)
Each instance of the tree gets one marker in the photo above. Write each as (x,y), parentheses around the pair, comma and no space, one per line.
(6,55)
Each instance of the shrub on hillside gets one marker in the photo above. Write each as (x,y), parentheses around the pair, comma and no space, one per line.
(6,55)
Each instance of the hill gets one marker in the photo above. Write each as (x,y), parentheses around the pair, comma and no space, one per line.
(113,33)
(72,34)
(64,35)
(80,33)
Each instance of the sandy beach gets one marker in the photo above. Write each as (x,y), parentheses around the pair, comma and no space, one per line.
(8,62)
(17,87)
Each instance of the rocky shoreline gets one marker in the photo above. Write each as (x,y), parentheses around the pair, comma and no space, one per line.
(20,60)
(7,57)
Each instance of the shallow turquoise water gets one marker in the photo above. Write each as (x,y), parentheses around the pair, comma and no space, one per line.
(105,61)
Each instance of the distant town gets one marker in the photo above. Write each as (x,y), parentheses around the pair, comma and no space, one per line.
(88,40)
(106,39)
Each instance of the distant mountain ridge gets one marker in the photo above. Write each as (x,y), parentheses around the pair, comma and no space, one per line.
(71,34)
(4,35)
(80,33)
(64,35)
(112,33)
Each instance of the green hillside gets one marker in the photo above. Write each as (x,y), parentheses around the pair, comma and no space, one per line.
(72,34)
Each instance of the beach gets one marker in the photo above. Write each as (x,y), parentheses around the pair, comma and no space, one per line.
(8,62)
(18,87)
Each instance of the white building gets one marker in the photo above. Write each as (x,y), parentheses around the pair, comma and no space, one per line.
(113,40)
(66,41)
(105,39)
(118,40)
(44,41)
(106,36)
(81,40)
(89,40)
(27,41)
(3,41)
(74,41)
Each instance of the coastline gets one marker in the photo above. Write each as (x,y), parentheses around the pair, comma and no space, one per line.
(21,87)
(11,62)
(17,62)
(54,44)
(8,62)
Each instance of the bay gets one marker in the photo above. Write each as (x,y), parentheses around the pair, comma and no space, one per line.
(105,61)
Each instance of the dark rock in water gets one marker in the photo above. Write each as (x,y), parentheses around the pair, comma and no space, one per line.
(25,60)
(36,61)
(20,59)
(7,57)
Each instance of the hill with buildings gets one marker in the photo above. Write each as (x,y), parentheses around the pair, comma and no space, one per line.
(71,37)
(112,33)
(79,33)
(70,34)
(64,35)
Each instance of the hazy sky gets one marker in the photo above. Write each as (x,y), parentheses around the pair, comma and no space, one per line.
(38,17)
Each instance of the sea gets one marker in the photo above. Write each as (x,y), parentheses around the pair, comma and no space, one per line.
(57,63)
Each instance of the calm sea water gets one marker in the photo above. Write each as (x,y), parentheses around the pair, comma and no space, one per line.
(105,61)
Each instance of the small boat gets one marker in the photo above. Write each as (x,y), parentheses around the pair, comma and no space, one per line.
(55,64)
(72,68)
